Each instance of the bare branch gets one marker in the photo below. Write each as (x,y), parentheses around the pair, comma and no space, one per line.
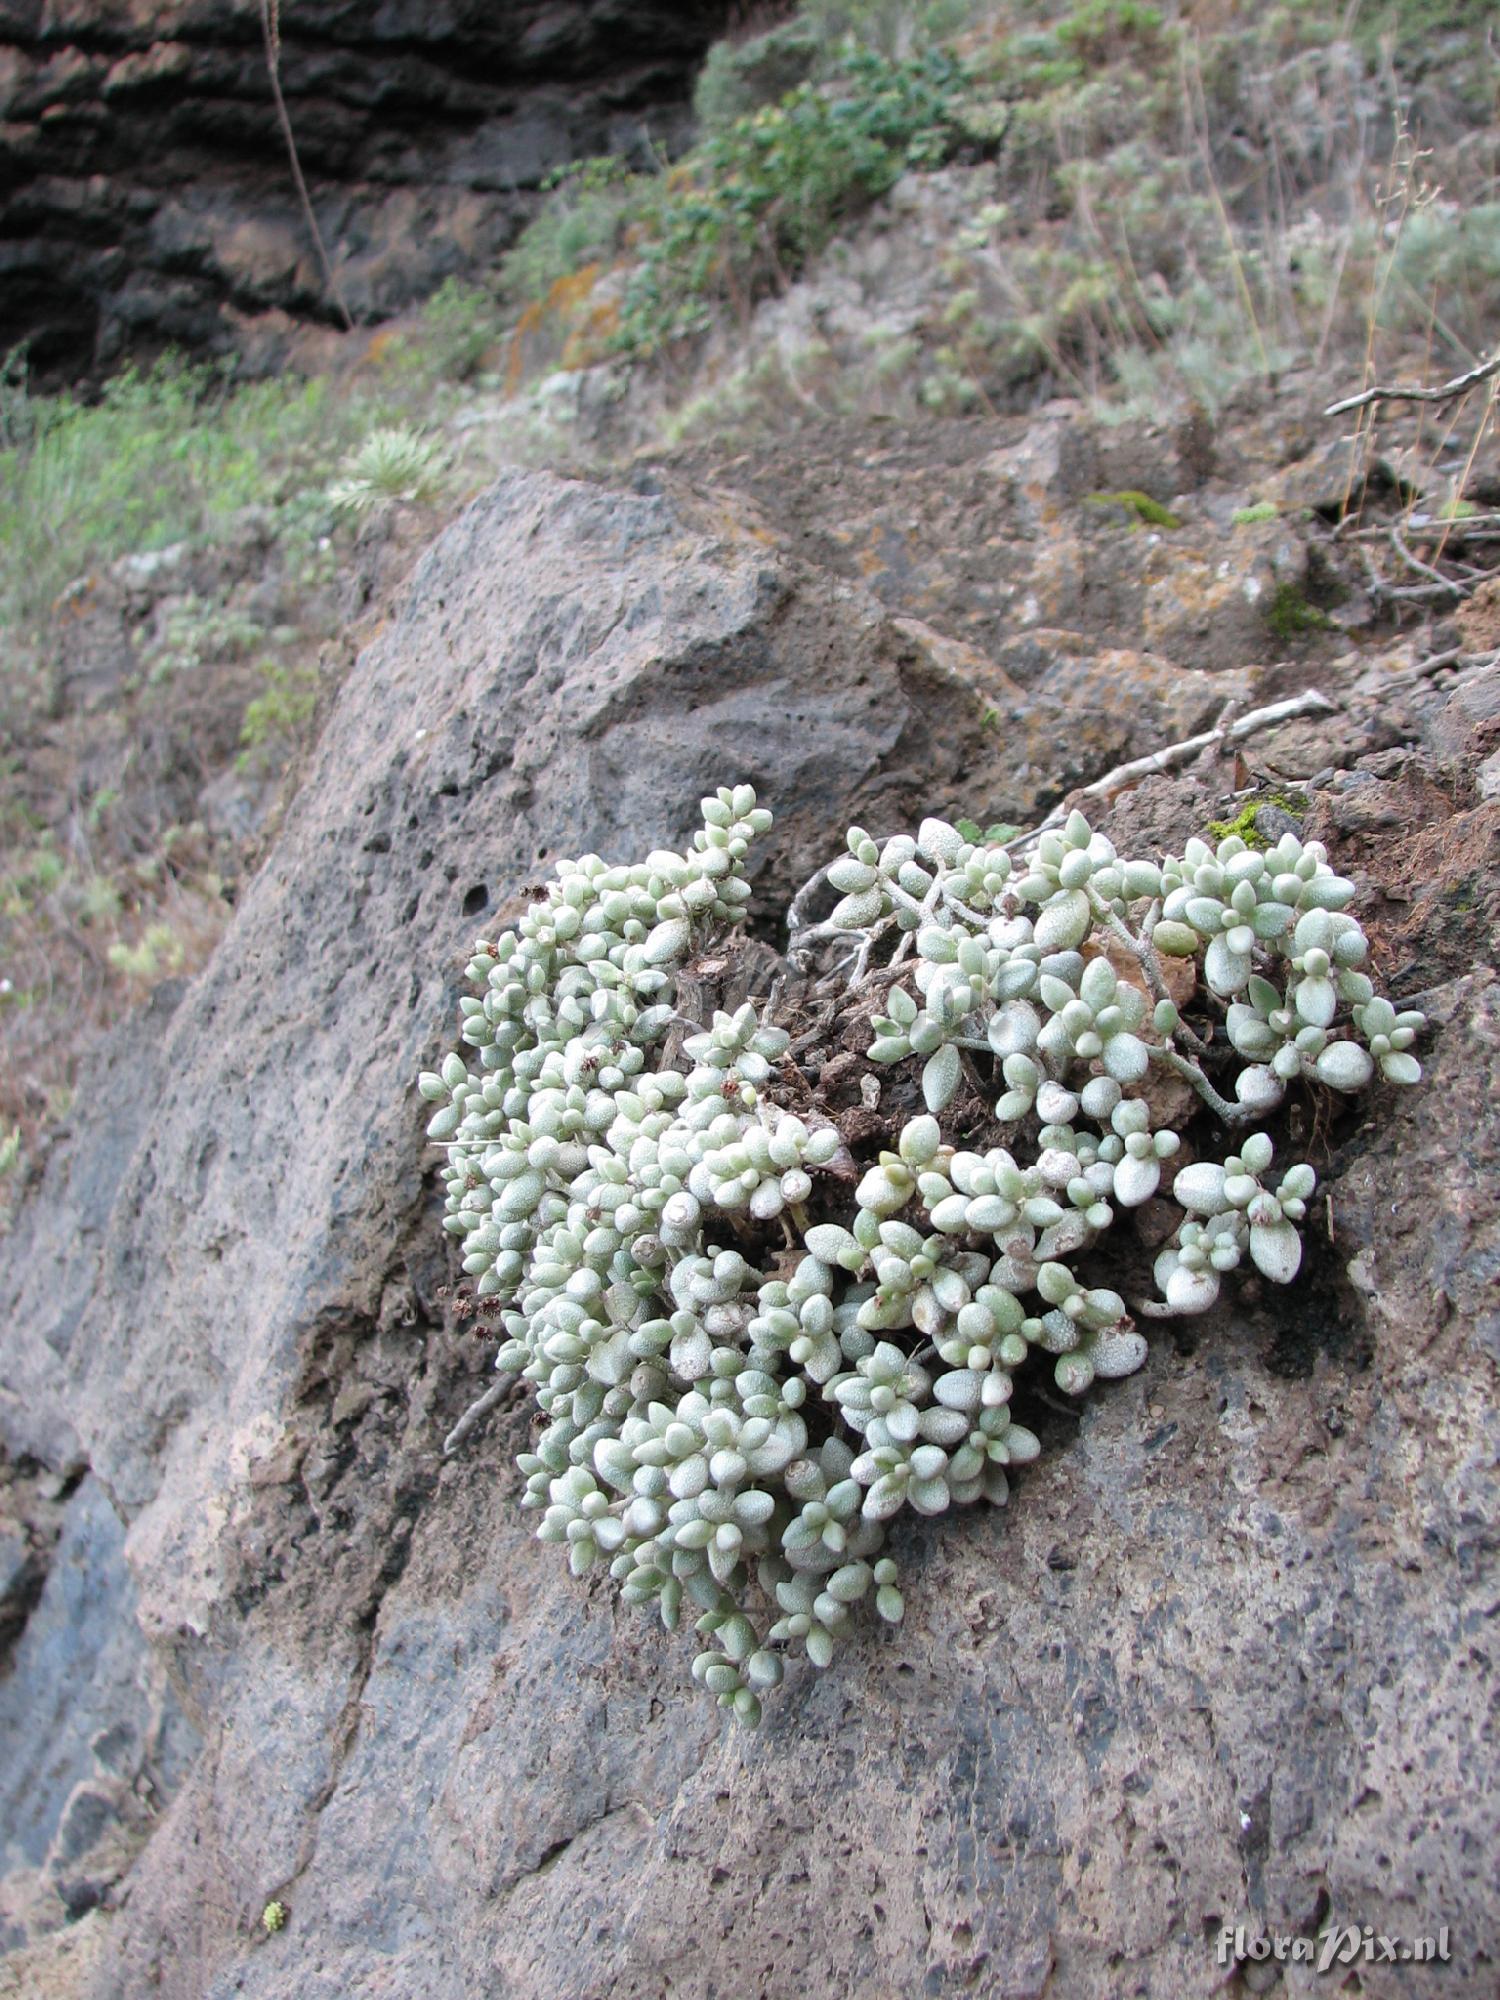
(796,913)
(1424,569)
(1188,1070)
(1457,528)
(1395,392)
(1310,702)
(476,1412)
(270,21)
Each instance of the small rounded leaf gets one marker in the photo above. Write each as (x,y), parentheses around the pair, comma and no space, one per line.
(1176,940)
(1345,1066)
(1064,923)
(1275,1250)
(940,1077)
(1200,1188)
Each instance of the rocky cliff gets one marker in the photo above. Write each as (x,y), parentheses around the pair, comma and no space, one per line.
(1225,1658)
(145,194)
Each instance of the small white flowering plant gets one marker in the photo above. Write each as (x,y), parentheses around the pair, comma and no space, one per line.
(757,1328)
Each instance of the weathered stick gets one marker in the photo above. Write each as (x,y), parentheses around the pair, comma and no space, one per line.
(475,1413)
(270,21)
(1446,392)
(1310,702)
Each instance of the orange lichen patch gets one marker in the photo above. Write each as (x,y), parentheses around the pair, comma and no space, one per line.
(77,599)
(567,293)
(589,341)
(382,346)
(562,315)
(966,663)
(515,360)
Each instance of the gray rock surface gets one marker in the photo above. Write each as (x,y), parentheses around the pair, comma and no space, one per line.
(92,1729)
(1225,1658)
(145,195)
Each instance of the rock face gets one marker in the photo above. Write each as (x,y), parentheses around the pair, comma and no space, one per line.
(1224,1659)
(95,1726)
(145,195)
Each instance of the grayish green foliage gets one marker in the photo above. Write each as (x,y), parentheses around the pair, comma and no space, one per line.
(732,1433)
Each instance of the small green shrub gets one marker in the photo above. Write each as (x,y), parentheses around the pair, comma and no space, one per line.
(1415,23)
(1100,31)
(458,328)
(1447,264)
(394,463)
(196,633)
(156,953)
(278,716)
(893,28)
(739,77)
(581,222)
(750,204)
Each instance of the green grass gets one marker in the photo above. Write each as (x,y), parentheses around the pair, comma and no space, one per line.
(165,455)
(458,329)
(170,453)
(109,900)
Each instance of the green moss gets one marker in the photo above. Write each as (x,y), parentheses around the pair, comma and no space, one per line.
(989,836)
(1243,823)
(1290,615)
(1139,505)
(1257,511)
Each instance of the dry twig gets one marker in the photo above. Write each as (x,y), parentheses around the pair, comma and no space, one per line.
(1309,702)
(270,21)
(1395,392)
(1423,569)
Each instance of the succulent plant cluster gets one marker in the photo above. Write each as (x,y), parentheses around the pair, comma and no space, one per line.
(749,1351)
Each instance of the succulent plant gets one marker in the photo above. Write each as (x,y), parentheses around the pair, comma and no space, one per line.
(751,1351)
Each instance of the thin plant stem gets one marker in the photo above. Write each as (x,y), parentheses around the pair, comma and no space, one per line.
(270,21)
